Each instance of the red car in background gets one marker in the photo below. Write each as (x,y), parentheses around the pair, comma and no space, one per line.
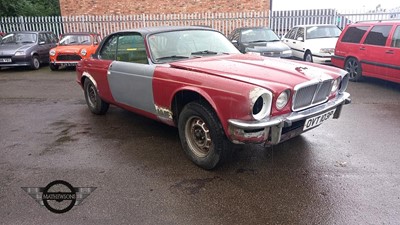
(370,49)
(73,47)
(195,79)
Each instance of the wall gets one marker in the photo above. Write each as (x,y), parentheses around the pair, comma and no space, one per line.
(132,7)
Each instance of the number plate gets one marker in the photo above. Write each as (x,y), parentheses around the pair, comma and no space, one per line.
(4,60)
(317,120)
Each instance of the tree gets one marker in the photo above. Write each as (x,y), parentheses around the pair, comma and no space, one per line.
(29,8)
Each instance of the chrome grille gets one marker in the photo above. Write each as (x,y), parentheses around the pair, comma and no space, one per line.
(310,95)
(68,58)
(271,54)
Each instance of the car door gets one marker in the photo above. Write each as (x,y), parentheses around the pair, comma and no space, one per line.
(377,57)
(130,76)
(392,56)
(43,48)
(289,39)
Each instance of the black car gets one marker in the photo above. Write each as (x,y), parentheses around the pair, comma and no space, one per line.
(259,40)
(26,48)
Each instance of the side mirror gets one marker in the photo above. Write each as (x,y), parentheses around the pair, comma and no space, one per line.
(300,39)
(95,43)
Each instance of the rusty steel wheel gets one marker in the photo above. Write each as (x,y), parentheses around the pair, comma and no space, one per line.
(202,136)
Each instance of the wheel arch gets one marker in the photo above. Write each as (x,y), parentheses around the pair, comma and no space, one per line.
(189,94)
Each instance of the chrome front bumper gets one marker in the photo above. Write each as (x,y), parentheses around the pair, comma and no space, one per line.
(269,130)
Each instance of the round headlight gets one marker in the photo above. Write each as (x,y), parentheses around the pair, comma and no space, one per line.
(282,99)
(52,52)
(83,52)
(335,84)
(261,99)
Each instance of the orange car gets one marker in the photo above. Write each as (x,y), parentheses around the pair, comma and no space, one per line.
(72,48)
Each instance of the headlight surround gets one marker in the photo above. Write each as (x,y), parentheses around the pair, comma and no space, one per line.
(52,52)
(19,53)
(261,103)
(335,85)
(282,99)
(253,53)
(287,52)
(83,52)
(327,50)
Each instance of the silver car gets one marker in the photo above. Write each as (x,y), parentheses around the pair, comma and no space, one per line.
(26,48)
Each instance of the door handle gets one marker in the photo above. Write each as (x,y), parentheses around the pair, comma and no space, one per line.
(362,48)
(389,52)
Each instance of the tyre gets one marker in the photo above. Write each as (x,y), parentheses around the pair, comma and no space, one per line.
(93,100)
(53,67)
(308,57)
(202,136)
(35,63)
(353,66)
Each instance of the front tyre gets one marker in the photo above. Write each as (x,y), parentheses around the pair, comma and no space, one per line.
(53,66)
(202,136)
(35,63)
(93,100)
(308,57)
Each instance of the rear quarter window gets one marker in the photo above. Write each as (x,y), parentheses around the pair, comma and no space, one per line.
(354,34)
(378,35)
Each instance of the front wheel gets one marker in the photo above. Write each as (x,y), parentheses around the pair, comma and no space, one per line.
(35,63)
(53,66)
(202,136)
(93,100)
(308,57)
(353,66)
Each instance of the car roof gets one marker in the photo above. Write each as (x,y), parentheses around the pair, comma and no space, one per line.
(374,22)
(29,32)
(153,30)
(315,25)
(80,33)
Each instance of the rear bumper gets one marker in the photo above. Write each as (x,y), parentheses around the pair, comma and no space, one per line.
(275,130)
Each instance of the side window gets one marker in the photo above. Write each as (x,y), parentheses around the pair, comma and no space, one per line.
(52,38)
(396,38)
(109,49)
(378,35)
(236,35)
(291,34)
(43,38)
(300,33)
(354,34)
(131,49)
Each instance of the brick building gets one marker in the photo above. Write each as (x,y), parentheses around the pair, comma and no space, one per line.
(131,7)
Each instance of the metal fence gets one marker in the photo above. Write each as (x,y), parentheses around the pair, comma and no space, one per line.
(279,21)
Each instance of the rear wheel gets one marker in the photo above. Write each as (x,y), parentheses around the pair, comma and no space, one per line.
(353,66)
(35,63)
(202,136)
(53,66)
(93,100)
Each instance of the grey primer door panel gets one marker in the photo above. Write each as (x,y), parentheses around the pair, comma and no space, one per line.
(132,84)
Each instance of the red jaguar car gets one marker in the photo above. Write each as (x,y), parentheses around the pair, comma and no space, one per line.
(195,79)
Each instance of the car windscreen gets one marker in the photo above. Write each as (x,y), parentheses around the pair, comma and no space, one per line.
(258,35)
(322,32)
(183,44)
(75,40)
(19,38)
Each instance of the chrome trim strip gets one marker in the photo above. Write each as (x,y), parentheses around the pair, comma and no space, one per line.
(291,117)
